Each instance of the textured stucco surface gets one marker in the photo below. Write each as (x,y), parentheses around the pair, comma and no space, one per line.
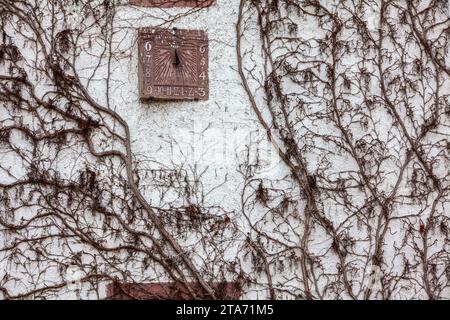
(206,139)
(209,134)
(210,139)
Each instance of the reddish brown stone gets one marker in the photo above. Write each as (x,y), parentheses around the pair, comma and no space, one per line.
(169,290)
(173,64)
(172,3)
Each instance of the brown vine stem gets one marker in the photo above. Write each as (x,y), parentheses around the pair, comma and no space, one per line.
(75,82)
(311,205)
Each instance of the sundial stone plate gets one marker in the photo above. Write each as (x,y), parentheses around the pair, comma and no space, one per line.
(173,64)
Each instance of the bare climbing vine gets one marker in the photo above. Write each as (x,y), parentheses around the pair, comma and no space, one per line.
(352,96)
(71,194)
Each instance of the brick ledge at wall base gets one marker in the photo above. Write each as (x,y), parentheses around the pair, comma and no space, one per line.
(170,291)
(172,3)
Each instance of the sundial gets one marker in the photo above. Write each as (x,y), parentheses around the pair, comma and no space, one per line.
(173,64)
